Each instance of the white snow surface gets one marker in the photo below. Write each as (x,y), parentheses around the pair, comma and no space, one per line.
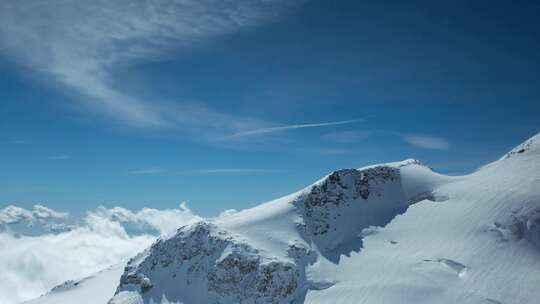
(390,233)
(98,288)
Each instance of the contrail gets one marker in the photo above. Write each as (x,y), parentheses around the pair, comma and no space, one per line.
(291,127)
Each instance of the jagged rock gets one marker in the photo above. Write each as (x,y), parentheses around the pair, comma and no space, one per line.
(348,196)
(204,256)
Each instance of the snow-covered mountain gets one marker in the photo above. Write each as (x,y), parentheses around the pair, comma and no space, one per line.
(390,233)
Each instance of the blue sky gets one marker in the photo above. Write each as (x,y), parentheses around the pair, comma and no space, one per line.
(226,104)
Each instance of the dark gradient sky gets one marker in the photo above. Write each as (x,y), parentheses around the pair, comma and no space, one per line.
(454,84)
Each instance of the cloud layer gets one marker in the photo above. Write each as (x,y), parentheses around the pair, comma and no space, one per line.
(79,45)
(34,263)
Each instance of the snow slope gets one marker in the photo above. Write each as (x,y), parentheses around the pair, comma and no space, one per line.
(391,233)
(98,288)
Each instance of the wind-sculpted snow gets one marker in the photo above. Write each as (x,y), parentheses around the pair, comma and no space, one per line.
(532,228)
(221,266)
(523,223)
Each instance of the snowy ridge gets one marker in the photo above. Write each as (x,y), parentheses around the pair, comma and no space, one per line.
(337,209)
(226,264)
(529,147)
(389,233)
(98,288)
(218,264)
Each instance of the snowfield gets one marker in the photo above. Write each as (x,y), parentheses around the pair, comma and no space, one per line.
(389,233)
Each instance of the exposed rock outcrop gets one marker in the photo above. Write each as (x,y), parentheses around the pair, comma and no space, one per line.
(347,201)
(202,256)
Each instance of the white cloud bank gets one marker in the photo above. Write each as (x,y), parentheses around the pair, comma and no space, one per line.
(14,214)
(79,45)
(33,264)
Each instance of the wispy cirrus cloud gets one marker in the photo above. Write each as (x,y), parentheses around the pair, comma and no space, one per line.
(347,136)
(15,142)
(158,170)
(58,157)
(426,142)
(262,131)
(226,171)
(80,45)
(148,171)
(325,151)
(418,140)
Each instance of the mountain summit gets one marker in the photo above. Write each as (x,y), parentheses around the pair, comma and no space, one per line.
(389,233)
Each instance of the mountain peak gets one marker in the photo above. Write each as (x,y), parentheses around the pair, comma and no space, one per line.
(387,233)
(203,256)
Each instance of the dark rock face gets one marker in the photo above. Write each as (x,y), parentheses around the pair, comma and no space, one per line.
(347,201)
(244,276)
(229,269)
(340,190)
